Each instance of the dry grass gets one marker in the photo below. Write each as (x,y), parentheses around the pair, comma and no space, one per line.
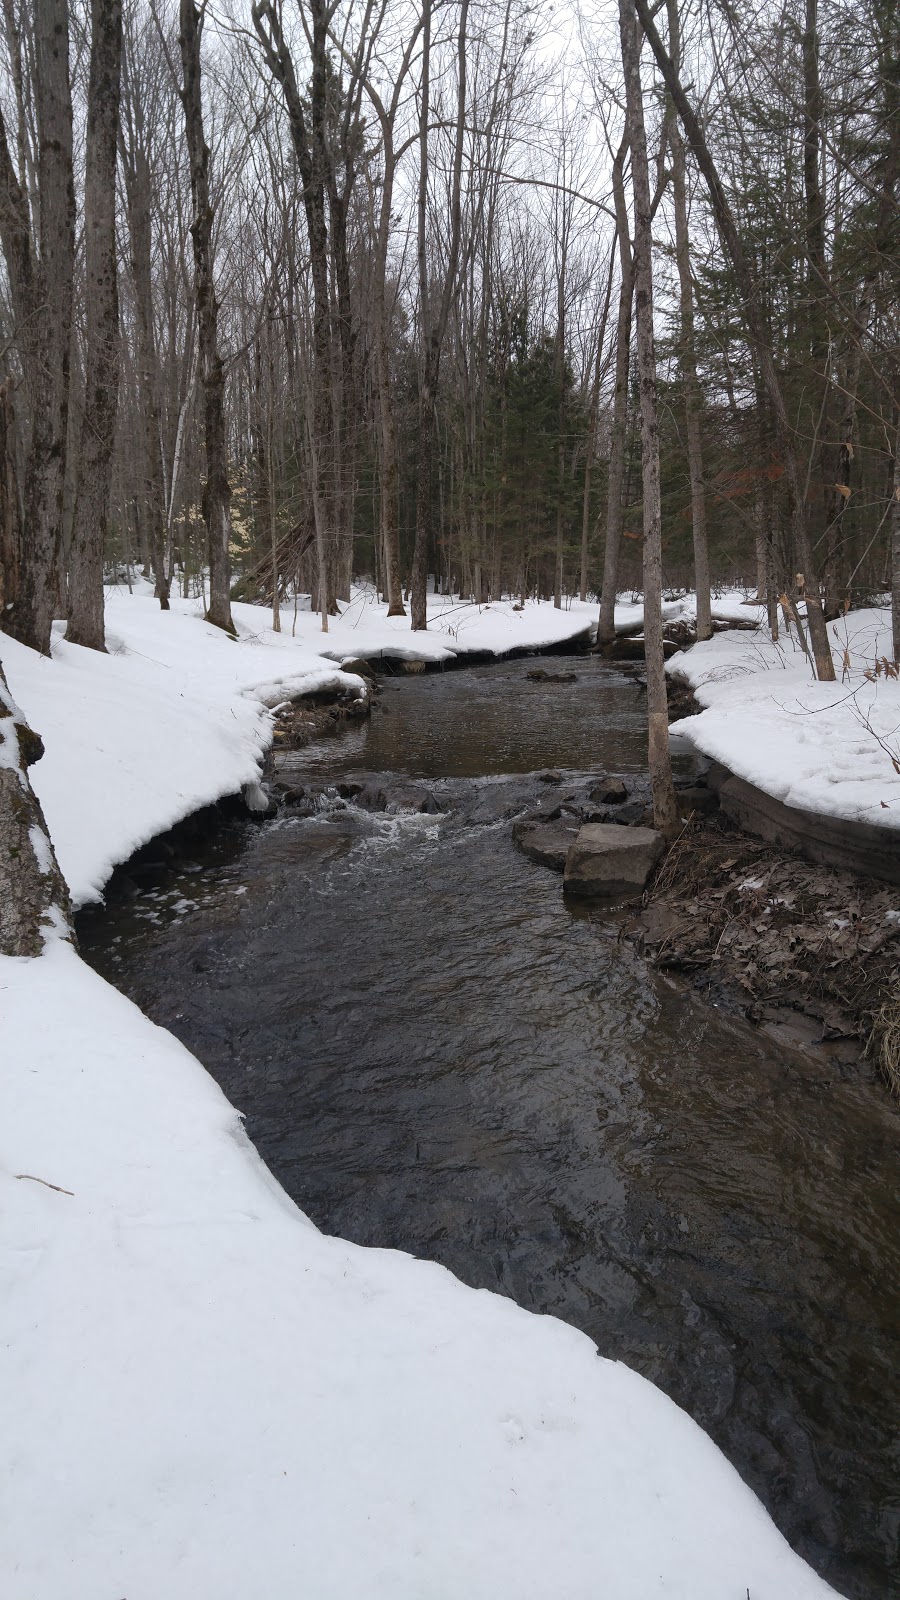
(884,1040)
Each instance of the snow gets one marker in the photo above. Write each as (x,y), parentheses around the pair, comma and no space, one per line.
(822,747)
(204,1397)
(207,1398)
(455,628)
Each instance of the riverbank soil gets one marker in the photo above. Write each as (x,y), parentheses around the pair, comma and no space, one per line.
(807,952)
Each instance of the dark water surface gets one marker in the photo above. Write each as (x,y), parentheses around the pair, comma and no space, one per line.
(432,1053)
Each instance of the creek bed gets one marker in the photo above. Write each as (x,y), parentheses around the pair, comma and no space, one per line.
(433,1054)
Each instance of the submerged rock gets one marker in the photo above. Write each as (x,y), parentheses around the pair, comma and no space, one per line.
(609,862)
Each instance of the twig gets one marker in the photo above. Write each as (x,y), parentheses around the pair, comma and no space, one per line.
(32,1179)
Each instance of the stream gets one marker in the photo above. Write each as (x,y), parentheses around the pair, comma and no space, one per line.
(434,1054)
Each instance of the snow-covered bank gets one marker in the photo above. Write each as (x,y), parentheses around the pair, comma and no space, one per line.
(824,747)
(206,1398)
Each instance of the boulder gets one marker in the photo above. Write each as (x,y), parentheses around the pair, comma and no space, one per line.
(609,862)
(609,792)
(551,775)
(547,843)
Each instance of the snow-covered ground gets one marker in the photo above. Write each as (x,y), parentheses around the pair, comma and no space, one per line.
(825,747)
(204,1398)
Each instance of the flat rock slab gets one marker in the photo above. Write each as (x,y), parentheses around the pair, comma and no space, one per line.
(610,862)
(548,843)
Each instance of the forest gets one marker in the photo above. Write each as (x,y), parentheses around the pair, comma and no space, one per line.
(449,799)
(298,293)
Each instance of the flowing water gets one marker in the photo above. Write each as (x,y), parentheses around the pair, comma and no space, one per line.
(433,1053)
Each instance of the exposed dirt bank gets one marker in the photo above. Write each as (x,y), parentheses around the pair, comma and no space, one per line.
(808,952)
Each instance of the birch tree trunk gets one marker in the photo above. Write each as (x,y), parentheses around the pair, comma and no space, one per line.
(217,490)
(606,632)
(665,813)
(101,386)
(687,356)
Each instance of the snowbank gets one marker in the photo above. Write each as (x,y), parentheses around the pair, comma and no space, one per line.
(823,747)
(170,720)
(207,1399)
(455,628)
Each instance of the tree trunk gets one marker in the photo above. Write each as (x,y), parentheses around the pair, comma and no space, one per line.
(311,150)
(591,442)
(749,292)
(390,476)
(40,281)
(216,490)
(10,517)
(693,400)
(101,385)
(895,550)
(137,203)
(34,900)
(432,330)
(606,632)
(560,427)
(665,813)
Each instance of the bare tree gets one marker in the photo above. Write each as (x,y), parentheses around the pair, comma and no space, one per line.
(619,436)
(665,813)
(733,245)
(40,264)
(139,193)
(434,326)
(387,110)
(687,354)
(217,490)
(101,384)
